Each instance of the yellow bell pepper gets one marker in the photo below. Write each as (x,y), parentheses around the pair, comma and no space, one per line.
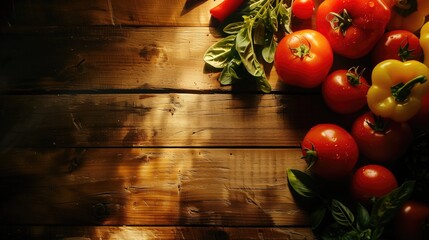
(397,89)
(424,42)
(408,15)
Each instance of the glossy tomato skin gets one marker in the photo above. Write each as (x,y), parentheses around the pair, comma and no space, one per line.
(303,9)
(410,221)
(308,70)
(386,145)
(368,21)
(397,44)
(341,95)
(372,181)
(336,150)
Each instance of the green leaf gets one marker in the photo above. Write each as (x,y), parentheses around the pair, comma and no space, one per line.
(218,55)
(271,21)
(259,33)
(363,218)
(233,28)
(342,214)
(385,208)
(269,49)
(230,72)
(263,84)
(245,49)
(302,183)
(285,15)
(317,216)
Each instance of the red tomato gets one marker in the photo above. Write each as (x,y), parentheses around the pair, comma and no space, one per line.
(303,58)
(421,119)
(379,139)
(402,45)
(352,27)
(303,9)
(372,181)
(330,151)
(411,221)
(344,91)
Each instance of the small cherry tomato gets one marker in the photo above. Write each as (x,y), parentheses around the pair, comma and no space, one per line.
(303,9)
(401,45)
(330,151)
(303,58)
(372,181)
(344,91)
(412,221)
(380,139)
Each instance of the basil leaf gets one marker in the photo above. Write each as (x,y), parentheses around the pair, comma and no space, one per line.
(218,55)
(263,84)
(233,28)
(317,216)
(269,49)
(363,217)
(285,15)
(271,20)
(342,214)
(259,34)
(230,72)
(245,49)
(301,183)
(385,208)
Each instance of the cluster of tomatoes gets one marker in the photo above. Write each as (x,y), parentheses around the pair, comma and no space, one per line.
(364,153)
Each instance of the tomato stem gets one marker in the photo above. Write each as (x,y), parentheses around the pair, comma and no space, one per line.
(353,76)
(340,21)
(310,156)
(379,125)
(401,91)
(302,50)
(404,52)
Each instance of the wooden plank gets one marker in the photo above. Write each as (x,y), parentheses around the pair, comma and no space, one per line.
(106,58)
(56,13)
(149,186)
(106,12)
(124,120)
(162,233)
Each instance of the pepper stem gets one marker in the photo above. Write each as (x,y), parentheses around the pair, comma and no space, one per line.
(401,91)
(405,7)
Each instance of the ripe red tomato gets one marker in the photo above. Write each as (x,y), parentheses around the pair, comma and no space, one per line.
(379,139)
(372,181)
(402,45)
(411,222)
(303,58)
(330,151)
(352,27)
(344,91)
(303,9)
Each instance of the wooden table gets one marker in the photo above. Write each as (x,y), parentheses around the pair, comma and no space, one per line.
(112,127)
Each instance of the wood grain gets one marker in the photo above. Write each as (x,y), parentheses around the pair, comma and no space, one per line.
(168,120)
(119,59)
(149,186)
(106,12)
(163,233)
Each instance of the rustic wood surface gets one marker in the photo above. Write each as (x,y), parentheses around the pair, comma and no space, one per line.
(112,127)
